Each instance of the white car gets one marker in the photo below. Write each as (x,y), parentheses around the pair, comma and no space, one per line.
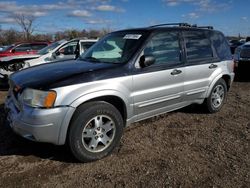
(65,51)
(60,50)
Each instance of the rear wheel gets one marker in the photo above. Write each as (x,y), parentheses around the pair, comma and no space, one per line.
(217,96)
(95,131)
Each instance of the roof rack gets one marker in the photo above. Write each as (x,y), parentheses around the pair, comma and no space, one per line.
(174,24)
(206,27)
(182,25)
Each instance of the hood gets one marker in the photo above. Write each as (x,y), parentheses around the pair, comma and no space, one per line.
(26,56)
(58,74)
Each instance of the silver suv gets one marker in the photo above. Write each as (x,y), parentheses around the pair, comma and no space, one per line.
(127,76)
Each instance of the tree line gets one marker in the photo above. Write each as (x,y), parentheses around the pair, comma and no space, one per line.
(27,34)
(11,36)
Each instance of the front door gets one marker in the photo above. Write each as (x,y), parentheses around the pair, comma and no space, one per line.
(159,87)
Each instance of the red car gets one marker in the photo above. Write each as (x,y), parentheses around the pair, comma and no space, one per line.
(23,48)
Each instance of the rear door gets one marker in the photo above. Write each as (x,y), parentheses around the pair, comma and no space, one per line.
(201,64)
(159,87)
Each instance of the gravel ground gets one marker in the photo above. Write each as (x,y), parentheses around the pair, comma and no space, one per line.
(185,148)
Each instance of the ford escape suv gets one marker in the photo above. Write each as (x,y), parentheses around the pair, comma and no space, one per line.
(127,76)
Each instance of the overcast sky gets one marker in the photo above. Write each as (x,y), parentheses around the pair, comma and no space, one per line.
(231,17)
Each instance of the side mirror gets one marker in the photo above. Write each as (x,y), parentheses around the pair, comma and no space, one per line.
(146,61)
(13,51)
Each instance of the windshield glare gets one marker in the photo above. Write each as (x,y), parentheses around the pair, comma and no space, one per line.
(116,47)
(50,47)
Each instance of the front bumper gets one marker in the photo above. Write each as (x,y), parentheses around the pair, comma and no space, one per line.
(41,125)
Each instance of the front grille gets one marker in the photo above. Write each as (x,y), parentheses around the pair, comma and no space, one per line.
(245,53)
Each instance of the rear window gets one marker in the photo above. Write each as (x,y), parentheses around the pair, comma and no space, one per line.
(221,46)
(198,46)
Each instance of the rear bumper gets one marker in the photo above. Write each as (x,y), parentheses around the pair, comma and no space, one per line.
(41,125)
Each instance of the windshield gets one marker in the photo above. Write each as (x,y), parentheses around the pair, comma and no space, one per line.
(116,47)
(50,47)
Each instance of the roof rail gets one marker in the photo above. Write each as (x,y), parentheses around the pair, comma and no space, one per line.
(206,27)
(182,25)
(174,24)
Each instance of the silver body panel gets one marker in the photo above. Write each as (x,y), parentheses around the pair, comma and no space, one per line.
(160,93)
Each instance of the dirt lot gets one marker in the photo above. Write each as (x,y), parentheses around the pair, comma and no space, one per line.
(186,148)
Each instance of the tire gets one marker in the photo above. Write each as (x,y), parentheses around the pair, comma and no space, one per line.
(95,130)
(217,97)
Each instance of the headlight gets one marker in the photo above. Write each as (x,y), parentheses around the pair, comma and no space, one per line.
(38,98)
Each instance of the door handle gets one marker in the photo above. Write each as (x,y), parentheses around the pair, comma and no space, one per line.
(213,66)
(176,71)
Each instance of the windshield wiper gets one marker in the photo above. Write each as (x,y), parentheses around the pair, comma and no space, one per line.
(91,59)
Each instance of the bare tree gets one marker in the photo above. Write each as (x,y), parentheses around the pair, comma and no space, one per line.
(26,23)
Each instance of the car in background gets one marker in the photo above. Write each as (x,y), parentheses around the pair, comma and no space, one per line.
(23,48)
(66,51)
(11,64)
(234,44)
(242,57)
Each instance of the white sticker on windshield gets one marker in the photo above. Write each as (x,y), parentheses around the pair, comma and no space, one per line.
(132,36)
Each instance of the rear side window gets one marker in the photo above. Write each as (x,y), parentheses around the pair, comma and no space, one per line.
(221,46)
(198,46)
(86,45)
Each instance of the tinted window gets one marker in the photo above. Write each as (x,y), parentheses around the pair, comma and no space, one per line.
(221,46)
(164,47)
(86,45)
(23,48)
(197,46)
(38,46)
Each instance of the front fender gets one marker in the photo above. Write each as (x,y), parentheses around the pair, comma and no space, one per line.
(85,98)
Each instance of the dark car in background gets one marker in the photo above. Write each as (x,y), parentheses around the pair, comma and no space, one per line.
(23,48)
(234,44)
(242,58)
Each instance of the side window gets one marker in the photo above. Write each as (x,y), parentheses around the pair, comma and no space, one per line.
(38,46)
(86,45)
(221,46)
(198,46)
(164,47)
(23,48)
(68,49)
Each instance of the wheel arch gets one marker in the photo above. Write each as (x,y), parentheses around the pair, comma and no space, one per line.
(117,100)
(225,77)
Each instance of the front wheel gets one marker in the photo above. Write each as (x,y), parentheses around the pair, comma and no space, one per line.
(217,96)
(95,131)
